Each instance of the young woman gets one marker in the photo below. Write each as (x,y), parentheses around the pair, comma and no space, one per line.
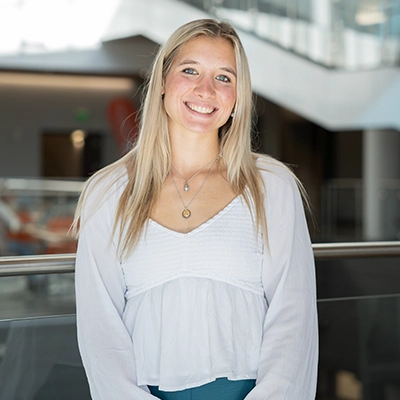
(194,272)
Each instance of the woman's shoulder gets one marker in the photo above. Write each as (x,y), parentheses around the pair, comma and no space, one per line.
(274,171)
(112,175)
(280,182)
(106,184)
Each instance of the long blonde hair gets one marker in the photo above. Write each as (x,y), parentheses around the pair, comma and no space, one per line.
(148,163)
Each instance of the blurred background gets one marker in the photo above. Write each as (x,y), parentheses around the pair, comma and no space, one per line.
(326,84)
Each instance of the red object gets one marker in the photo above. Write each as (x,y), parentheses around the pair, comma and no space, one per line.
(61,225)
(121,114)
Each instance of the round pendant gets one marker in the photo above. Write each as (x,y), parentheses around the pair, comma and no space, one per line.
(186,213)
(186,187)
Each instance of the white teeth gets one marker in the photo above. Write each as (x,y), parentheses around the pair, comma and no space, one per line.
(201,110)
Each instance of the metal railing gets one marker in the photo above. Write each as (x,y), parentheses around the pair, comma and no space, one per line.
(37,265)
(65,263)
(343,201)
(40,186)
(325,251)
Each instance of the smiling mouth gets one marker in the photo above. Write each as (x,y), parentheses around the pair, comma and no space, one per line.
(201,110)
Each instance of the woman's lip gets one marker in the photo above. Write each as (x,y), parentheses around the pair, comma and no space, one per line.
(202,110)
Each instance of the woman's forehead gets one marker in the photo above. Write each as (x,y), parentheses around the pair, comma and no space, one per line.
(203,48)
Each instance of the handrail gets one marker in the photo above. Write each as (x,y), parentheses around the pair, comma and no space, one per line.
(329,251)
(37,264)
(65,263)
(48,186)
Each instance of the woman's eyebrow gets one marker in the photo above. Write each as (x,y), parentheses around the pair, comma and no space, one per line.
(230,70)
(193,62)
(184,62)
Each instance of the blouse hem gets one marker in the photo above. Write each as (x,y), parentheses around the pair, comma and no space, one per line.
(202,382)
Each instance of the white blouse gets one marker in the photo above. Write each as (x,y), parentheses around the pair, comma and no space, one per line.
(187,308)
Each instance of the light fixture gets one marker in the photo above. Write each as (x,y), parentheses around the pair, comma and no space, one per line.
(78,138)
(370,17)
(66,81)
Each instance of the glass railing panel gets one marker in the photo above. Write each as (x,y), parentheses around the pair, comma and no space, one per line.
(39,360)
(36,215)
(359,348)
(359,328)
(390,196)
(358,277)
(36,295)
(342,210)
(349,34)
(358,308)
(359,353)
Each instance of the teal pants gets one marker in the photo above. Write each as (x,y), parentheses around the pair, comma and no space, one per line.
(220,389)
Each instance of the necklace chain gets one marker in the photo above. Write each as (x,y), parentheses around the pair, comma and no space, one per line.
(186,186)
(186,213)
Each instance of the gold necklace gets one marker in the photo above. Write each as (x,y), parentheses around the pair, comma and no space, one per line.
(186,186)
(186,213)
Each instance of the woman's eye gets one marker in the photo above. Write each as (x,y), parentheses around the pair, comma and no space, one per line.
(223,78)
(190,71)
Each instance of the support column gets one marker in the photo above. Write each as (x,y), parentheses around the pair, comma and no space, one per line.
(381,162)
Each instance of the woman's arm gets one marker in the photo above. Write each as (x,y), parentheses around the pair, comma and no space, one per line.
(289,353)
(104,342)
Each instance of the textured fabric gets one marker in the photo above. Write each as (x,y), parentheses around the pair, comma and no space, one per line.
(186,309)
(224,248)
(220,389)
(204,293)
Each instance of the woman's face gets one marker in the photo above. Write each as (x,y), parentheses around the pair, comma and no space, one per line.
(200,88)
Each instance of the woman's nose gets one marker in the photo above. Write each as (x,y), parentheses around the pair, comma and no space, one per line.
(205,87)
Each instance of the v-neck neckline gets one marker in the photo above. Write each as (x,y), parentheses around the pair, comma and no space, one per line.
(202,226)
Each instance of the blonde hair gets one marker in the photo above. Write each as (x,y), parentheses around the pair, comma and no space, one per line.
(148,163)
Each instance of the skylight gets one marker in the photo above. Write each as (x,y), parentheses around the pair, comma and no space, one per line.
(40,26)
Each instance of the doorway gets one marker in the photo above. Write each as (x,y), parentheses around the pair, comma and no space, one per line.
(73,154)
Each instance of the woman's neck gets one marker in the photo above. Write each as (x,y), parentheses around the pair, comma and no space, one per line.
(189,156)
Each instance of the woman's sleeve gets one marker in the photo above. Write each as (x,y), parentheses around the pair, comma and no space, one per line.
(104,342)
(289,352)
